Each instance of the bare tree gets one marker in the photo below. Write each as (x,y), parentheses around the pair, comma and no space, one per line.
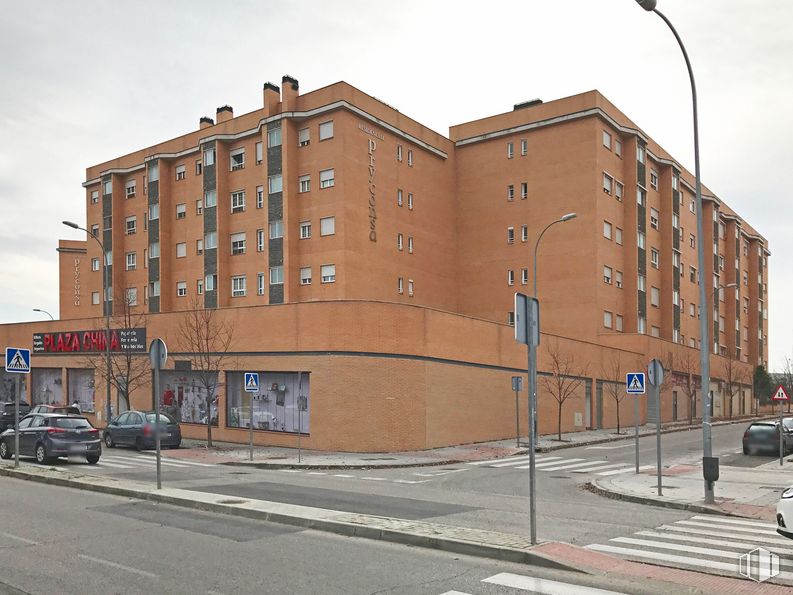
(614,382)
(787,378)
(688,365)
(734,373)
(129,370)
(205,336)
(563,381)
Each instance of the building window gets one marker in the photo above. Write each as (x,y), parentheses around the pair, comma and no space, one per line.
(692,206)
(607,275)
(181,288)
(198,168)
(653,218)
(641,282)
(524,276)
(260,284)
(274,137)
(95,298)
(328,273)
(259,197)
(655,297)
(154,250)
(305,276)
(94,264)
(524,233)
(305,184)
(692,274)
(326,130)
(259,240)
(607,319)
(640,153)
(607,183)
(181,172)
(410,287)
(607,230)
(238,243)
(260,151)
(154,289)
(511,318)
(305,230)
(618,280)
(692,240)
(641,325)
(675,220)
(510,277)
(618,147)
(277,275)
(181,211)
(410,244)
(95,230)
(210,281)
(399,197)
(692,309)
(618,325)
(524,147)
(238,286)
(655,331)
(675,259)
(303,137)
(132,261)
(326,178)
(399,152)
(237,159)
(276,229)
(109,259)
(130,188)
(211,241)
(641,196)
(199,287)
(199,247)
(510,235)
(400,286)
(410,201)
(210,198)
(511,192)
(675,298)
(209,158)
(327,226)
(199,207)
(654,179)
(655,257)
(721,263)
(131,225)
(410,157)
(510,150)
(399,241)
(618,236)
(641,239)
(275,184)
(618,188)
(181,250)
(94,197)
(607,140)
(238,201)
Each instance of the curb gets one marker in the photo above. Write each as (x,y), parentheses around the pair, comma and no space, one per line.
(458,546)
(595,488)
(340,467)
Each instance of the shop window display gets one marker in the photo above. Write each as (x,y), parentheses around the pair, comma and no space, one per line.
(46,386)
(81,388)
(281,404)
(184,396)
(8,386)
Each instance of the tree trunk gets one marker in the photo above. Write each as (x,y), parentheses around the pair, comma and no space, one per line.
(559,423)
(618,417)
(209,422)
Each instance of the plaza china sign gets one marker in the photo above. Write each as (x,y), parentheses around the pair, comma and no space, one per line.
(121,341)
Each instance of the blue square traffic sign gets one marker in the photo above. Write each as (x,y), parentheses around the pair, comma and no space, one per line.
(251,382)
(17,360)
(634,383)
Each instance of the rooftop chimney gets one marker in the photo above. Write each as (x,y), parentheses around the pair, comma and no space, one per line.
(205,122)
(530,103)
(271,98)
(289,92)
(224,112)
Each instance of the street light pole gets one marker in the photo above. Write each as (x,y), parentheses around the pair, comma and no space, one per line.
(44,312)
(106,305)
(532,390)
(707,450)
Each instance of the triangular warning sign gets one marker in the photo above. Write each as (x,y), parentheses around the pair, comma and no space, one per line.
(635,384)
(18,363)
(252,381)
(780,394)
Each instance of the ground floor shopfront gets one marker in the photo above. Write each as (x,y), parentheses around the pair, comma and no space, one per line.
(371,377)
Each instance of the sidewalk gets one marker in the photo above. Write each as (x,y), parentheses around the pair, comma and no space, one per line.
(273,457)
(740,491)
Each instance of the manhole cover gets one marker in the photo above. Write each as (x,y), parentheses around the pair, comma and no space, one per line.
(239,473)
(560,477)
(232,501)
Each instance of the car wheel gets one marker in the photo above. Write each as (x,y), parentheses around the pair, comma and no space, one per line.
(177,445)
(109,440)
(139,443)
(5,452)
(41,454)
(745,450)
(92,459)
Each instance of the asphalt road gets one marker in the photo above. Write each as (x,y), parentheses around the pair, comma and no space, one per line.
(65,541)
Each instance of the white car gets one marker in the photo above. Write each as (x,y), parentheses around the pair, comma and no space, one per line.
(784,514)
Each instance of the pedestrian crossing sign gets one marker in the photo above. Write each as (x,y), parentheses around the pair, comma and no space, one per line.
(780,394)
(17,360)
(251,382)
(634,382)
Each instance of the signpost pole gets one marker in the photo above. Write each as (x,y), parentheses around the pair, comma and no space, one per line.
(158,354)
(781,434)
(656,377)
(636,428)
(17,393)
(251,386)
(250,428)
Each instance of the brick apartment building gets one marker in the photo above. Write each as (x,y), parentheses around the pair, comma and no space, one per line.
(353,248)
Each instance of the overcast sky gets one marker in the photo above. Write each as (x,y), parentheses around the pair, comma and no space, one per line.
(86,81)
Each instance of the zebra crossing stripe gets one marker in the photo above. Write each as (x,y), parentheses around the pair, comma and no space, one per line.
(554,463)
(710,526)
(544,586)
(144,461)
(733,521)
(626,470)
(574,465)
(739,545)
(523,461)
(104,463)
(509,461)
(770,538)
(175,460)
(599,468)
(537,462)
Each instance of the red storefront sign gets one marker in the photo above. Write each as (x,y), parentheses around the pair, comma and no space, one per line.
(94,341)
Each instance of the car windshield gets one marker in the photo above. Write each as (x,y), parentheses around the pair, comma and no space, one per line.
(164,418)
(71,423)
(764,429)
(788,423)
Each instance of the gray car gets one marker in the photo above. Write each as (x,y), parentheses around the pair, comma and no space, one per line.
(47,436)
(137,428)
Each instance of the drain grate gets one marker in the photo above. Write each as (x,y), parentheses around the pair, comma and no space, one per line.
(379,459)
(231,501)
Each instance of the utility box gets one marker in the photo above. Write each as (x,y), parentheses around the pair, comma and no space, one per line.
(710,468)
